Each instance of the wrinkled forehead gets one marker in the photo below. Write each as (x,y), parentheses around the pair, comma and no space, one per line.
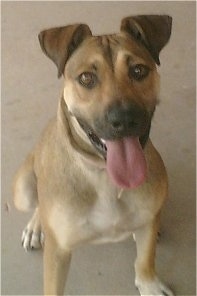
(109,49)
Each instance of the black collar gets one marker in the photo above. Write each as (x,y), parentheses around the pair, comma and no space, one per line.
(94,139)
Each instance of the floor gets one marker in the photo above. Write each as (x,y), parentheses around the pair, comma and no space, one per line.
(30,92)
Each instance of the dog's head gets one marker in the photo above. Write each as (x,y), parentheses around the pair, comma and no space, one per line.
(111,81)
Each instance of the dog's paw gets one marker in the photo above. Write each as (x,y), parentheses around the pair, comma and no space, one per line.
(158,236)
(32,239)
(155,287)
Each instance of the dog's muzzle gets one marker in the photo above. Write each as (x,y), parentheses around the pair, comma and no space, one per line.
(118,122)
(122,121)
(120,137)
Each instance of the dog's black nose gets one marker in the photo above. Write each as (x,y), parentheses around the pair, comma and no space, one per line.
(128,119)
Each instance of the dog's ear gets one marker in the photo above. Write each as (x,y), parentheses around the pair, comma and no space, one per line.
(153,31)
(59,43)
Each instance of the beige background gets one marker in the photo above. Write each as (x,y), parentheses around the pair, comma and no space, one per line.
(30,92)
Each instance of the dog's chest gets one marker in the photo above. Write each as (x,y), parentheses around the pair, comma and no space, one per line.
(113,220)
(110,219)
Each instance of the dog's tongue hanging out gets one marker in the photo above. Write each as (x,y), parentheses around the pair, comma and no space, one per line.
(126,164)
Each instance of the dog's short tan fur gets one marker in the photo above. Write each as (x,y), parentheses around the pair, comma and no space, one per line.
(65,176)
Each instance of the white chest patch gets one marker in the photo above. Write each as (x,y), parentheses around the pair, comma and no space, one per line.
(109,219)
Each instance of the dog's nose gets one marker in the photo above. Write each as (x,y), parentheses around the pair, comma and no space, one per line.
(129,118)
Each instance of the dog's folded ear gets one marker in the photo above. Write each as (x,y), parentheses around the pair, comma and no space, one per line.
(59,43)
(153,31)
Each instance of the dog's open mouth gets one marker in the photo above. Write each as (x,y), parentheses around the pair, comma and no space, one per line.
(125,160)
(126,164)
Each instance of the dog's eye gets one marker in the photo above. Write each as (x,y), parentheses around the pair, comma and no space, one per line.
(138,72)
(87,79)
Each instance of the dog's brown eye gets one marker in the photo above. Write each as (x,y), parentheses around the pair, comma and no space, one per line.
(138,72)
(87,79)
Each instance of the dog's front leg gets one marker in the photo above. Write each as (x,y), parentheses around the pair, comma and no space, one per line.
(56,266)
(146,279)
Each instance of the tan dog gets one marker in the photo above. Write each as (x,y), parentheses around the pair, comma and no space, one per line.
(95,176)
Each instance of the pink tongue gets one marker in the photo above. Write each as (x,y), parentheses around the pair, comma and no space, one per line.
(126,164)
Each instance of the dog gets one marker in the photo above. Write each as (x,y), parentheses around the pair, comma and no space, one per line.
(95,176)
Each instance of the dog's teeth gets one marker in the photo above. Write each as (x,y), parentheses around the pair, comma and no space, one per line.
(103,141)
